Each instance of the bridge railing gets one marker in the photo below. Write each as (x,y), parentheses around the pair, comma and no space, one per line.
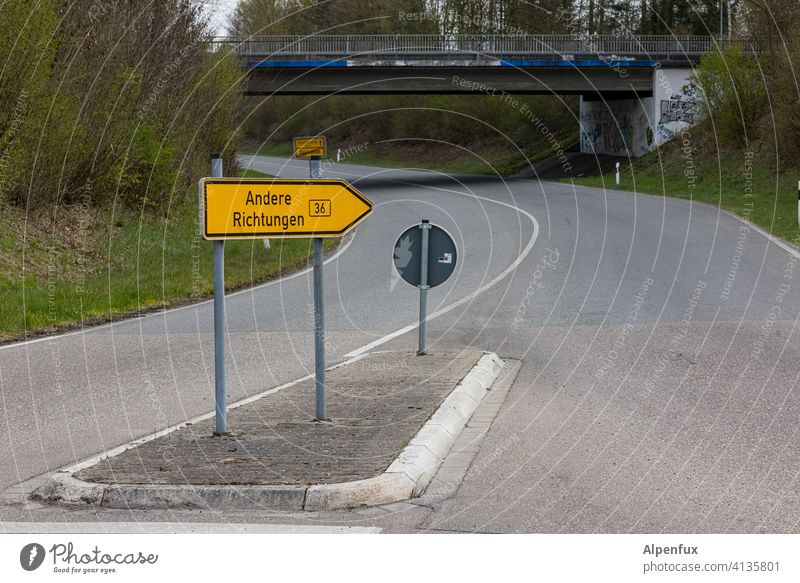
(426,45)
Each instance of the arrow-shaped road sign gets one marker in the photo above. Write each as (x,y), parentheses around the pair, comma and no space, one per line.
(245,208)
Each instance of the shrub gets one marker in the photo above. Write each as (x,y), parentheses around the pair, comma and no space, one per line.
(124,103)
(785,98)
(732,87)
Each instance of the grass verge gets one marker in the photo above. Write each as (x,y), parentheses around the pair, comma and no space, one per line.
(84,266)
(744,182)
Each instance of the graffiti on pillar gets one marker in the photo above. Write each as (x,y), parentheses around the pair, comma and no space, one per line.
(622,136)
(616,127)
(678,109)
(678,112)
(664,134)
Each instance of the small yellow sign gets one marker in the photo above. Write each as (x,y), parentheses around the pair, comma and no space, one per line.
(309,147)
(245,208)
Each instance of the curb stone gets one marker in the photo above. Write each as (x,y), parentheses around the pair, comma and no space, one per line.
(65,489)
(406,477)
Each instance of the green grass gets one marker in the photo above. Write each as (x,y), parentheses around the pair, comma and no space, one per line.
(719,176)
(721,180)
(404,444)
(495,161)
(247,173)
(128,262)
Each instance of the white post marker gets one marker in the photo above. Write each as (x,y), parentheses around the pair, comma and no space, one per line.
(617,173)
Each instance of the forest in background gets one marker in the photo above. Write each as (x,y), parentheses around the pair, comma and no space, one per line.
(109,112)
(111,108)
(122,101)
(634,17)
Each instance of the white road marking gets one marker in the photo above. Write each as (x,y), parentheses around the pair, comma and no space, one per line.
(782,244)
(367,347)
(352,356)
(139,441)
(792,250)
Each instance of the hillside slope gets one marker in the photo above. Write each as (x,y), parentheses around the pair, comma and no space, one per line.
(746,181)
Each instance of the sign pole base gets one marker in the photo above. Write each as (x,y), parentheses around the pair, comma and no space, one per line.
(423,316)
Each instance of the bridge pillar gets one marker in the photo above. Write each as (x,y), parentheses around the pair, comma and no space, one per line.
(639,123)
(616,127)
(676,103)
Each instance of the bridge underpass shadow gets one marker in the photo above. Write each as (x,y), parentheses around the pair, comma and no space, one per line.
(573,165)
(424,178)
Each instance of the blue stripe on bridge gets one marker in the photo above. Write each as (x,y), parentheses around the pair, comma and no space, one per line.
(520,63)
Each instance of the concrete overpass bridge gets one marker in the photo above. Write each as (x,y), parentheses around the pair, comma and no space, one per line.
(635,91)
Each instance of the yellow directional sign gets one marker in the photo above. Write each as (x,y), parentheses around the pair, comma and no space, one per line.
(245,208)
(309,147)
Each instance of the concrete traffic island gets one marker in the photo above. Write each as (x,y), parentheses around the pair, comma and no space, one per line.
(394,417)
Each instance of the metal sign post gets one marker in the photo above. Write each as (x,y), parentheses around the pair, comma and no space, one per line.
(423,286)
(256,208)
(314,167)
(425,256)
(220,394)
(319,314)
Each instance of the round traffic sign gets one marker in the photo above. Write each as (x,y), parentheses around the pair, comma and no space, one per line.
(441,259)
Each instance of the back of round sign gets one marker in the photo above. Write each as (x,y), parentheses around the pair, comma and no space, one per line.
(425,256)
(442,255)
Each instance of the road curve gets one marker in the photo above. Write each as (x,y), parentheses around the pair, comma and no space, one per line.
(76,395)
(658,390)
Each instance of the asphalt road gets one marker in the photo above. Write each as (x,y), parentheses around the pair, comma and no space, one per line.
(658,386)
